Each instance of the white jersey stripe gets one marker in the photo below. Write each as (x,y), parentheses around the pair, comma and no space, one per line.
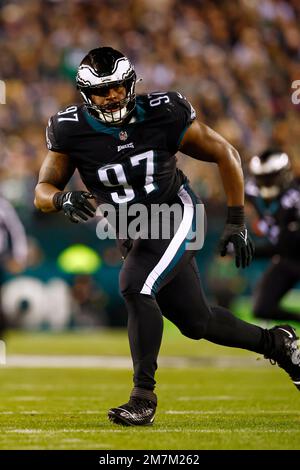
(179,237)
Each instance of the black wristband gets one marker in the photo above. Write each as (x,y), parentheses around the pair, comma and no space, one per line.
(236,215)
(58,200)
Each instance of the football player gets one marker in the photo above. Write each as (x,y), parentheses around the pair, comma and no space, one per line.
(274,194)
(13,249)
(124,147)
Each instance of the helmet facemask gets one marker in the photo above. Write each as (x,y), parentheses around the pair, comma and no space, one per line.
(94,78)
(104,113)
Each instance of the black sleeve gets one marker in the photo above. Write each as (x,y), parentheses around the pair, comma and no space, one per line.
(56,139)
(183,114)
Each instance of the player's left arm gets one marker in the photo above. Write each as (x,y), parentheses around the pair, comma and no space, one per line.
(203,143)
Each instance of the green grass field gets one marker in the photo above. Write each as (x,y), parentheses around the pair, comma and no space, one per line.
(212,406)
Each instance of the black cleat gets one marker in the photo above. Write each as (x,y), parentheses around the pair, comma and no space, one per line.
(139,411)
(286,352)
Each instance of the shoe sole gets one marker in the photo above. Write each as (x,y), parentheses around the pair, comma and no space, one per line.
(124,422)
(297,384)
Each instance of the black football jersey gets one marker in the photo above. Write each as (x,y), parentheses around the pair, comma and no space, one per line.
(131,163)
(279,219)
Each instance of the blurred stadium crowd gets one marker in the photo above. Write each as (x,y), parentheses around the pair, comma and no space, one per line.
(235,61)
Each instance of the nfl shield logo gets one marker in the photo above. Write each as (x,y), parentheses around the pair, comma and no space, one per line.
(123,135)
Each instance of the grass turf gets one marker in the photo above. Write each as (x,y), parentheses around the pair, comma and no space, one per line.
(199,408)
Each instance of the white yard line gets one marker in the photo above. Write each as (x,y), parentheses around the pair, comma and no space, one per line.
(67,413)
(168,412)
(232,412)
(52,388)
(211,398)
(124,362)
(153,430)
(28,398)
(20,360)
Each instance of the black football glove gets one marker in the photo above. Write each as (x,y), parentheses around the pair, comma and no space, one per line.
(235,232)
(242,243)
(75,205)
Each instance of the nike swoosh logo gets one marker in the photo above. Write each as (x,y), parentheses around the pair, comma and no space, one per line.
(68,198)
(244,236)
(288,332)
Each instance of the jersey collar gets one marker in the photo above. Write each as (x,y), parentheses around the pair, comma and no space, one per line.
(98,126)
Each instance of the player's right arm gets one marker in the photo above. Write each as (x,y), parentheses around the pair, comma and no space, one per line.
(55,173)
(57,170)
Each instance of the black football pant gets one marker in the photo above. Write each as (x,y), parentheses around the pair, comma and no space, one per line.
(160,278)
(282,275)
